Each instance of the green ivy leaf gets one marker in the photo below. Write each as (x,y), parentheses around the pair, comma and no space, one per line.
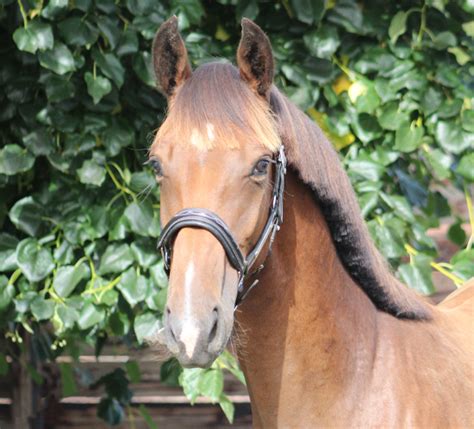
(134,288)
(26,215)
(158,275)
(109,29)
(142,219)
(457,234)
(189,381)
(468,120)
(67,317)
(110,65)
(58,59)
(54,8)
(144,252)
(347,14)
(8,245)
(367,168)
(143,68)
(14,159)
(463,264)
(408,137)
(466,167)
(391,116)
(322,42)
(90,315)
(468,28)
(387,242)
(97,87)
(36,36)
(91,173)
(7,292)
(35,261)
(366,128)
(142,181)
(462,57)
(78,31)
(156,300)
(117,137)
(128,43)
(431,101)
(452,137)
(398,26)
(116,259)
(68,277)
(170,372)
(400,206)
(440,163)
(227,407)
(368,101)
(39,142)
(417,275)
(211,384)
(308,11)
(42,309)
(58,88)
(145,325)
(246,8)
(119,323)
(444,39)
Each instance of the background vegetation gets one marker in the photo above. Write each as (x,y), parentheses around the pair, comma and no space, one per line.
(391,83)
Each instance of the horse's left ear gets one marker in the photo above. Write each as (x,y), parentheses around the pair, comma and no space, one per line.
(170,57)
(255,58)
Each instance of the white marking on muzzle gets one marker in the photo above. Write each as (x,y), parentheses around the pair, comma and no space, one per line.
(189,337)
(188,291)
(190,330)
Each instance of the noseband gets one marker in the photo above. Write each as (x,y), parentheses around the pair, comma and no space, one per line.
(210,221)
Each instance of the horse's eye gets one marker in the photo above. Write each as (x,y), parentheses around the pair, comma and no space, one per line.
(156,165)
(261,167)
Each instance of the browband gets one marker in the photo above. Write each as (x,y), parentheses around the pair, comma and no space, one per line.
(211,222)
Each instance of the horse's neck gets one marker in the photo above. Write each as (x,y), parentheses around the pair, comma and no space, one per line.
(306,330)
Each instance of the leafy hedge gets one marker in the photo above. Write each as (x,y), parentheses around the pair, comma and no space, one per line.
(389,82)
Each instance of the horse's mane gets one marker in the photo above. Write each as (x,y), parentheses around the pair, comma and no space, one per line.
(318,166)
(215,96)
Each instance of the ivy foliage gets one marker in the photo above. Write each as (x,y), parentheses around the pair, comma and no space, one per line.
(391,83)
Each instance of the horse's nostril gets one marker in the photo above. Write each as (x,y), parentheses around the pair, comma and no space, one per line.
(168,311)
(213,331)
(173,336)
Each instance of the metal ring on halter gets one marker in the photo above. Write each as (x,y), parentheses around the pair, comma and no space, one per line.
(211,222)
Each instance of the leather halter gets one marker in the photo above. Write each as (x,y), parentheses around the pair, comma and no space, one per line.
(210,221)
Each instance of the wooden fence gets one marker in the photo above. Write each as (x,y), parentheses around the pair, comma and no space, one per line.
(166,405)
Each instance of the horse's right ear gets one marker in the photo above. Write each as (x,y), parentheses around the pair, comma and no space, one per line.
(170,58)
(255,58)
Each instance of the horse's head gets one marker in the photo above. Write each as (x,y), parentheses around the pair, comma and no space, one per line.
(216,150)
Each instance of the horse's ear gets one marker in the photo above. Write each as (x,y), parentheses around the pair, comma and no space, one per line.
(170,58)
(255,58)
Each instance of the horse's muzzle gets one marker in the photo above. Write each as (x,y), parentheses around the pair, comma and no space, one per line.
(195,343)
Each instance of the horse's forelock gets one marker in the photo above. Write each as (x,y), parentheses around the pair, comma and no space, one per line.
(215,107)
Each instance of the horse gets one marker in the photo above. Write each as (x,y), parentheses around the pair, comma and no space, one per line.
(251,189)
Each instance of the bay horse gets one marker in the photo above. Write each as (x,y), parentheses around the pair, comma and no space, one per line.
(332,338)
